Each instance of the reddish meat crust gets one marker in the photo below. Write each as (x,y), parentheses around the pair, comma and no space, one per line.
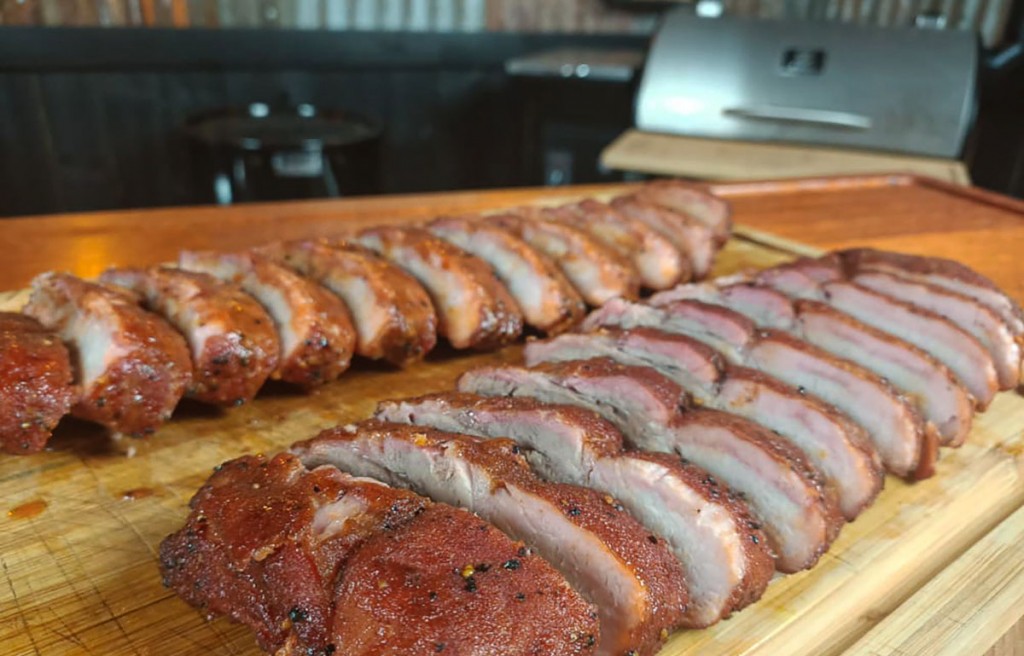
(474,309)
(321,563)
(392,313)
(547,300)
(315,331)
(628,546)
(137,367)
(36,384)
(233,342)
(598,272)
(402,594)
(760,565)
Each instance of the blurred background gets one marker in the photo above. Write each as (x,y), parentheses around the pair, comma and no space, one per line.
(136,103)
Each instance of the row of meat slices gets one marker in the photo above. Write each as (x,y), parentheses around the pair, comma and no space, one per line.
(217,326)
(663,460)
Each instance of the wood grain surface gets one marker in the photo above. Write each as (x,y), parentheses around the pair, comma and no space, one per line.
(78,567)
(935,623)
(727,159)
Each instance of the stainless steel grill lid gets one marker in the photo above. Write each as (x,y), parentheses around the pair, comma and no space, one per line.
(906,90)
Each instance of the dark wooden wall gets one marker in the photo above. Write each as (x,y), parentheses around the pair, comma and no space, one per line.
(89,119)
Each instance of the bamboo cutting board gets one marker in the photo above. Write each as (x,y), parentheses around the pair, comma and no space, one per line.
(83,522)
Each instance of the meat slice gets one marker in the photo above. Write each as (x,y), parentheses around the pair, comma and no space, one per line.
(233,342)
(711,534)
(974,318)
(474,309)
(313,326)
(659,263)
(898,432)
(941,272)
(836,446)
(764,306)
(692,200)
(547,299)
(931,385)
(36,383)
(693,365)
(926,383)
(644,406)
(823,280)
(797,538)
(720,328)
(636,583)
(406,592)
(131,367)
(689,235)
(393,316)
(597,271)
(958,350)
(563,443)
(907,448)
(320,562)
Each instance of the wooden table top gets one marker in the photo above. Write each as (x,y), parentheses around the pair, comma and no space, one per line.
(988,236)
(933,568)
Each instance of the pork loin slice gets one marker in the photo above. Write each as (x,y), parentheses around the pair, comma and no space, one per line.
(659,263)
(547,299)
(393,316)
(941,272)
(524,608)
(823,279)
(891,421)
(708,532)
(314,329)
(798,539)
(806,424)
(969,315)
(689,235)
(929,385)
(564,443)
(597,271)
(131,368)
(636,583)
(723,330)
(894,426)
(233,342)
(693,365)
(958,350)
(474,309)
(320,562)
(36,383)
(764,306)
(643,405)
(692,200)
(837,447)
(788,279)
(926,381)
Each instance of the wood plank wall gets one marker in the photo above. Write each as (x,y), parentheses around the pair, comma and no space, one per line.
(91,119)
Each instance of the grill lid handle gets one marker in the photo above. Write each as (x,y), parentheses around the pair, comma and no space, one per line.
(818,117)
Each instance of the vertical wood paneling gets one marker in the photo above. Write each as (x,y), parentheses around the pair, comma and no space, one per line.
(27,160)
(101,140)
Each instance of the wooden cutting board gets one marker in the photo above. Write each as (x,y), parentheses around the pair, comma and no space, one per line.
(83,522)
